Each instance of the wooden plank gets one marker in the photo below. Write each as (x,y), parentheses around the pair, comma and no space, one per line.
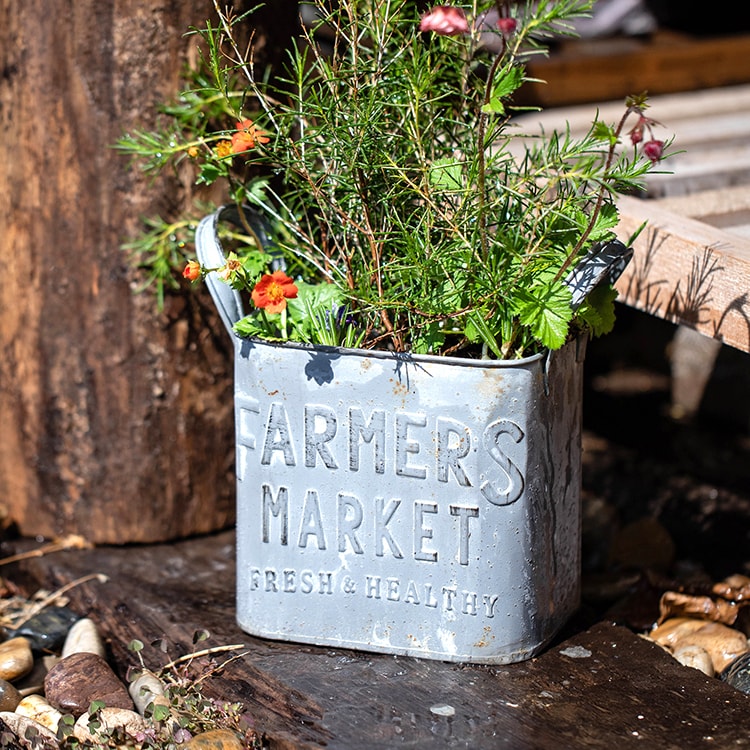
(687,272)
(615,690)
(586,71)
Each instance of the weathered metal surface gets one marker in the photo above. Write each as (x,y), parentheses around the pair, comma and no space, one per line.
(435,502)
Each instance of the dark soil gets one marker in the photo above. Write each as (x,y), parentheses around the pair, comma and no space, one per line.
(692,476)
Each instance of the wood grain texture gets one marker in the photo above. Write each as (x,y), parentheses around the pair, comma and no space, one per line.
(605,69)
(687,272)
(116,419)
(619,691)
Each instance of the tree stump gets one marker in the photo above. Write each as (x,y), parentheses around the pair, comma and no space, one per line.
(116,419)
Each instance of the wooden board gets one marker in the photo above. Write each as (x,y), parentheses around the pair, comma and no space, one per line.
(612,690)
(692,264)
(602,70)
(688,272)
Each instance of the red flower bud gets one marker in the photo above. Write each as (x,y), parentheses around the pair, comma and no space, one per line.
(507,25)
(653,149)
(192,270)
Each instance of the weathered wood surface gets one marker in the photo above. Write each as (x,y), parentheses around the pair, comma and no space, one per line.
(692,263)
(604,69)
(627,693)
(688,272)
(116,420)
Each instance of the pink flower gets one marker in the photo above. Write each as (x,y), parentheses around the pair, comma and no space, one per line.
(445,20)
(653,149)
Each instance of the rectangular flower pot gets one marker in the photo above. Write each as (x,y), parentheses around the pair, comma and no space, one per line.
(417,505)
(409,505)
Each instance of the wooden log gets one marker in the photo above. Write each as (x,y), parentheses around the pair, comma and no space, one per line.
(601,687)
(116,420)
(687,272)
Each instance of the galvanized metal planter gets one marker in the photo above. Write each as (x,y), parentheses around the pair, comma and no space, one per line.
(427,506)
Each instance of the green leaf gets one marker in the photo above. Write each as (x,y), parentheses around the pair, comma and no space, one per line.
(428,339)
(606,220)
(546,310)
(160,712)
(598,310)
(604,132)
(210,172)
(255,324)
(478,330)
(446,174)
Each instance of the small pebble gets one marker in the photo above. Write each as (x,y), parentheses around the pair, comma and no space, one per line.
(76,681)
(37,708)
(724,644)
(16,659)
(737,674)
(443,709)
(29,734)
(695,657)
(111,718)
(83,637)
(9,696)
(145,689)
(46,630)
(216,739)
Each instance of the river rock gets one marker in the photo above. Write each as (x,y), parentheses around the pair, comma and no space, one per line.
(78,679)
(38,709)
(29,734)
(16,659)
(147,688)
(46,630)
(9,696)
(695,657)
(216,739)
(724,644)
(737,674)
(110,718)
(83,637)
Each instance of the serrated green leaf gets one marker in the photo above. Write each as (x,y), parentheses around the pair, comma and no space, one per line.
(493,107)
(546,310)
(210,172)
(598,311)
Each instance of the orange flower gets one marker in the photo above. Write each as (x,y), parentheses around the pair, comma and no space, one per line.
(192,270)
(247,136)
(273,290)
(223,148)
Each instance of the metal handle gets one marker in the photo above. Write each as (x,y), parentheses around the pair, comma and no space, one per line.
(211,255)
(602,264)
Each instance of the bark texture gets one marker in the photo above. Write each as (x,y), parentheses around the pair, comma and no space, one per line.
(115,419)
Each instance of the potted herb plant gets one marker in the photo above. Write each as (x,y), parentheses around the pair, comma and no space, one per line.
(409,288)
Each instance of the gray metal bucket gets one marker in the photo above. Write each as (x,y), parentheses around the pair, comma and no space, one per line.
(416,505)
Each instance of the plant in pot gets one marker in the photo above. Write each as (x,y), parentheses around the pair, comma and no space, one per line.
(409,286)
